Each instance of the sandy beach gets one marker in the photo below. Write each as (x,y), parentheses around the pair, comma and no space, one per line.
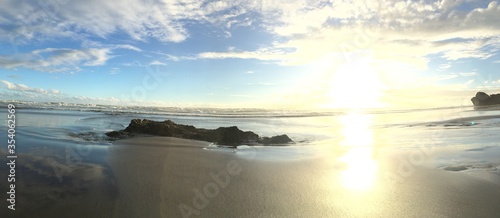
(170,177)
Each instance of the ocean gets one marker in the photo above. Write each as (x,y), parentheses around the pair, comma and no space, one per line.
(53,138)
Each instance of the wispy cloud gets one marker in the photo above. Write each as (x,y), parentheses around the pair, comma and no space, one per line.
(56,59)
(277,55)
(111,46)
(265,54)
(468,74)
(404,31)
(444,66)
(175,58)
(156,62)
(140,20)
(128,47)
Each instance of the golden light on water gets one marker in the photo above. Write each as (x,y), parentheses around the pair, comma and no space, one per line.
(358,138)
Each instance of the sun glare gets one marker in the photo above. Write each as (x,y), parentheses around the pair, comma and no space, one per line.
(355,85)
(361,170)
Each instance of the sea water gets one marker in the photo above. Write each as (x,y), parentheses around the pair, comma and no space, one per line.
(76,133)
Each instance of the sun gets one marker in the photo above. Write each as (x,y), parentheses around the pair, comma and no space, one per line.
(355,85)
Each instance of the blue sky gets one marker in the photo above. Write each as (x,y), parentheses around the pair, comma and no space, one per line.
(292,54)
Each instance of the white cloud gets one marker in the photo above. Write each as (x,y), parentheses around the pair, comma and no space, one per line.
(95,44)
(307,31)
(128,47)
(25,88)
(468,74)
(55,91)
(172,57)
(163,20)
(260,54)
(132,64)
(444,66)
(175,58)
(56,59)
(449,4)
(406,31)
(156,62)
(95,100)
(266,54)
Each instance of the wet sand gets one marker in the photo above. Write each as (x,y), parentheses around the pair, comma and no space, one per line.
(83,189)
(169,177)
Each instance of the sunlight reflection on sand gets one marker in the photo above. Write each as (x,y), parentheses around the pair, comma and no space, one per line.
(361,170)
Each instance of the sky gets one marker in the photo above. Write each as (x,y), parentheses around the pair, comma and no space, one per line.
(254,54)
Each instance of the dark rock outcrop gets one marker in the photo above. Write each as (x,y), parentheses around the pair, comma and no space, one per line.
(231,136)
(483,99)
(279,139)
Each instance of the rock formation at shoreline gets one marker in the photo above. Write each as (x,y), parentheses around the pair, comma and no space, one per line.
(483,99)
(231,136)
